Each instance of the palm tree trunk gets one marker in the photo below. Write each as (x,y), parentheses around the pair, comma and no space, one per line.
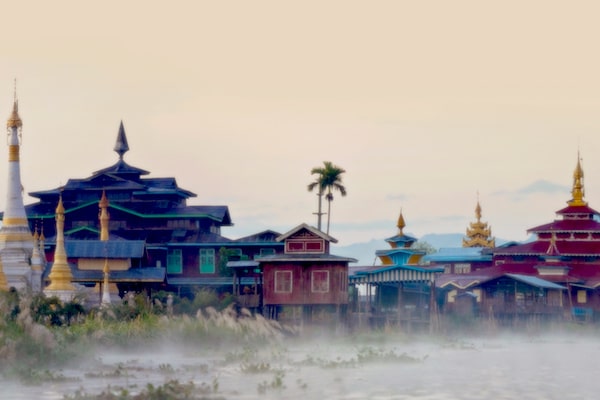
(319,213)
(328,214)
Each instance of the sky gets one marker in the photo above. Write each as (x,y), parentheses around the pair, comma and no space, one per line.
(427,105)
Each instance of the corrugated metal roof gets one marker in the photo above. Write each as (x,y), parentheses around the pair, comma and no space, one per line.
(535,281)
(150,274)
(102,249)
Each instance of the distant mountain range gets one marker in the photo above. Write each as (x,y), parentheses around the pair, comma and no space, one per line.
(365,252)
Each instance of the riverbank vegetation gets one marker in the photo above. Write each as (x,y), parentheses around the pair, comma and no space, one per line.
(39,333)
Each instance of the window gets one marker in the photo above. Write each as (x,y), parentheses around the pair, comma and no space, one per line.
(174,264)
(305,246)
(461,268)
(266,252)
(283,281)
(343,281)
(207,261)
(319,281)
(581,296)
(235,254)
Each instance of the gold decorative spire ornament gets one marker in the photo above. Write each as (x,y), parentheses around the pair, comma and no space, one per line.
(14,121)
(104,220)
(478,233)
(104,217)
(578,191)
(60,275)
(401,224)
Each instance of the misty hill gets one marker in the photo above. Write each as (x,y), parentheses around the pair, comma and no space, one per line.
(364,252)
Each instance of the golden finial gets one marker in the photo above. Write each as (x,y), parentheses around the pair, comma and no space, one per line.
(14,121)
(578,191)
(60,208)
(401,224)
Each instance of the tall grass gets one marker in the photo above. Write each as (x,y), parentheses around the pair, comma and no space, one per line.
(41,333)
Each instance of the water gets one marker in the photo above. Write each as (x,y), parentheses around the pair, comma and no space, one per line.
(523,367)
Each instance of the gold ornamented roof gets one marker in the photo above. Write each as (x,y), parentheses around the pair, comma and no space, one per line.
(478,233)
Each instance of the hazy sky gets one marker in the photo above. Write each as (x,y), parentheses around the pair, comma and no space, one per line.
(424,103)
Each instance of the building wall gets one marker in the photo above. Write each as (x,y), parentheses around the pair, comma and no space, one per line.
(310,283)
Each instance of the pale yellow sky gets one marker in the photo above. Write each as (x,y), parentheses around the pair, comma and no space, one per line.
(423,103)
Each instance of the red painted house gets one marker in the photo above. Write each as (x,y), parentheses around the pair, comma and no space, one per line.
(306,280)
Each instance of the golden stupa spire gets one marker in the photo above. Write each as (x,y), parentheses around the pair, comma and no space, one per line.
(478,234)
(578,191)
(104,217)
(14,121)
(60,275)
(401,224)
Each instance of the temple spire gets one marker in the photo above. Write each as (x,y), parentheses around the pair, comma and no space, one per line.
(60,276)
(121,147)
(16,240)
(104,220)
(104,217)
(401,224)
(578,191)
(478,233)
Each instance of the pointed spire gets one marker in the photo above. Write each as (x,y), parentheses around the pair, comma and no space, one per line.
(401,224)
(578,191)
(14,121)
(104,217)
(478,234)
(60,276)
(106,284)
(121,147)
(37,266)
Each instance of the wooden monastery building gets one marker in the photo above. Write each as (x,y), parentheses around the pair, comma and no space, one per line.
(153,238)
(556,275)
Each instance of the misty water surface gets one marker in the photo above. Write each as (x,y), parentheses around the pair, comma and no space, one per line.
(518,367)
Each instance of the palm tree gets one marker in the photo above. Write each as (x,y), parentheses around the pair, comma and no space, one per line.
(317,184)
(328,180)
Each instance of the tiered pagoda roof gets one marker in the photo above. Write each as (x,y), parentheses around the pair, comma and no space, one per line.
(136,196)
(478,232)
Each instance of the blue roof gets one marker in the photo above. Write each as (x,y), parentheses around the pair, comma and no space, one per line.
(535,281)
(457,254)
(102,249)
(149,274)
(384,268)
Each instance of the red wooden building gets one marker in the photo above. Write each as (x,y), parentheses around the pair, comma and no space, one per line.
(306,281)
(558,272)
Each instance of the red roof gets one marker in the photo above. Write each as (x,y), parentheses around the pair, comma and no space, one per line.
(565,248)
(577,210)
(573,225)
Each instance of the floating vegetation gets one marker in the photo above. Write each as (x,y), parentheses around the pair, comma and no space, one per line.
(275,384)
(171,390)
(370,354)
(255,368)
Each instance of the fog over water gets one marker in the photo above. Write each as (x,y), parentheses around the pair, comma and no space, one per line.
(370,367)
